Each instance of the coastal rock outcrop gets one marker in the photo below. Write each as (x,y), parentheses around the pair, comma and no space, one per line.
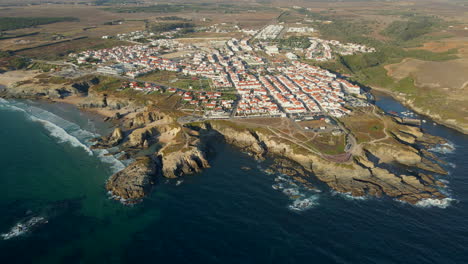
(138,137)
(187,160)
(388,153)
(243,139)
(358,177)
(110,141)
(133,182)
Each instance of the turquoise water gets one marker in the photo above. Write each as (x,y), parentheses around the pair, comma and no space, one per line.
(223,215)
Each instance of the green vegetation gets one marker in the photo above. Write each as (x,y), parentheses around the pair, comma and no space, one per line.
(226,96)
(112,2)
(369,69)
(107,83)
(189,7)
(177,80)
(45,67)
(10,62)
(289,17)
(162,8)
(414,27)
(346,30)
(4,54)
(18,63)
(60,50)
(172,18)
(12,23)
(45,78)
(329,144)
(294,42)
(163,27)
(402,13)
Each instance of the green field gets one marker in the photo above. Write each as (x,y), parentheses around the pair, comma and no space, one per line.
(12,23)
(177,80)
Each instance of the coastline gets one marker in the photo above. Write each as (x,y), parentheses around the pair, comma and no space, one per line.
(402,100)
(184,148)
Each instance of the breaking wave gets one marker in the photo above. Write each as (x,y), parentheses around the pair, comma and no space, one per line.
(115,164)
(446,148)
(302,197)
(302,204)
(429,202)
(63,130)
(60,134)
(349,196)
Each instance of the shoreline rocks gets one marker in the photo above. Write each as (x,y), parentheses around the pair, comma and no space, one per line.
(181,153)
(135,181)
(358,177)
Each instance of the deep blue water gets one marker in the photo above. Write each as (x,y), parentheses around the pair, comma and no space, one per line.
(223,215)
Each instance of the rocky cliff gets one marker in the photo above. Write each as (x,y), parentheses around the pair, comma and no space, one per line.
(358,177)
(179,149)
(182,162)
(135,181)
(180,153)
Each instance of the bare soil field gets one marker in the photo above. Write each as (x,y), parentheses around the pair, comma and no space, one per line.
(446,75)
(12,77)
(440,87)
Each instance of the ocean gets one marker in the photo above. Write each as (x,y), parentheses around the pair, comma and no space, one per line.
(226,214)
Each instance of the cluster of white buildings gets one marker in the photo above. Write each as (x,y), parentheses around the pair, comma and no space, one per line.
(223,28)
(133,36)
(257,105)
(132,61)
(269,32)
(210,102)
(300,30)
(143,34)
(143,87)
(322,50)
(263,88)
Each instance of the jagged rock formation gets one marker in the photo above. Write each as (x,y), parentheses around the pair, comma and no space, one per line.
(139,136)
(181,150)
(133,182)
(111,141)
(358,177)
(180,154)
(402,154)
(182,162)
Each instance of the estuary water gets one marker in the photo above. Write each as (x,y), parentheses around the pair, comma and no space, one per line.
(227,214)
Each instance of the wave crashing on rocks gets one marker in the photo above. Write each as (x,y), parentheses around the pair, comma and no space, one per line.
(63,131)
(302,197)
(441,203)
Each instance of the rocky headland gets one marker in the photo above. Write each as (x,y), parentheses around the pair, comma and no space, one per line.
(397,165)
(433,115)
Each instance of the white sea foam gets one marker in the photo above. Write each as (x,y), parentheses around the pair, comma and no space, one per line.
(302,197)
(116,165)
(349,196)
(64,131)
(302,204)
(444,181)
(453,165)
(4,104)
(429,202)
(445,148)
(60,134)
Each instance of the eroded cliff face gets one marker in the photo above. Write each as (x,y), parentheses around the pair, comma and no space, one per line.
(135,181)
(34,89)
(179,153)
(183,162)
(358,177)
(394,152)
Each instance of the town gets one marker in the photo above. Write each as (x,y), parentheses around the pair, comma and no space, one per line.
(241,82)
